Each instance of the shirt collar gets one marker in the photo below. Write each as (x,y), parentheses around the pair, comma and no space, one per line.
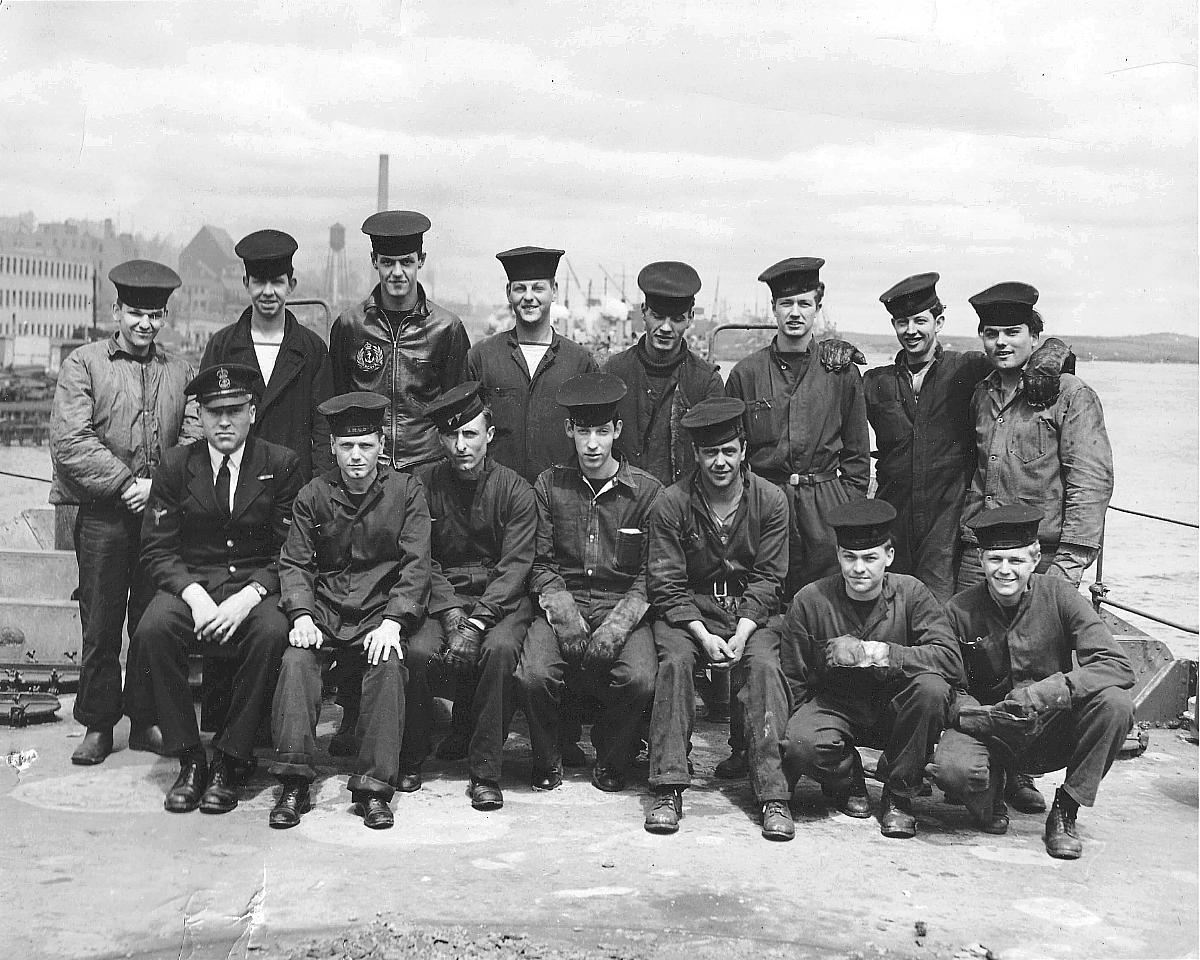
(215,457)
(115,349)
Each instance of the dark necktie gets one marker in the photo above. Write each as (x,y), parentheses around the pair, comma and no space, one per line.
(223,487)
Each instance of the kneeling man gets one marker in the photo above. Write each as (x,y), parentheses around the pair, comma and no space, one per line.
(869,659)
(217,515)
(718,558)
(1047,685)
(355,576)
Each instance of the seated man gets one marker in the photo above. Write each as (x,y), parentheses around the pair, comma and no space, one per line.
(589,572)
(868,659)
(484,523)
(718,557)
(217,515)
(355,579)
(1027,705)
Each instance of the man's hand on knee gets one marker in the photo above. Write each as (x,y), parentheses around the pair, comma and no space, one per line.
(381,641)
(203,608)
(231,614)
(304,633)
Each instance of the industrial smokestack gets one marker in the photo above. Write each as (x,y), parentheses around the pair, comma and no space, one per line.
(383,181)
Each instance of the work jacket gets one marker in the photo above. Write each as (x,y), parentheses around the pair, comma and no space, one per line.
(114,418)
(651,437)
(694,562)
(482,551)
(411,363)
(286,413)
(528,418)
(348,567)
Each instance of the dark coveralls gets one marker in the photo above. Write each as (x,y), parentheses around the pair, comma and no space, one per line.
(807,432)
(188,537)
(815,716)
(577,551)
(1003,651)
(287,411)
(926,456)
(658,396)
(483,543)
(528,418)
(698,571)
(409,358)
(349,565)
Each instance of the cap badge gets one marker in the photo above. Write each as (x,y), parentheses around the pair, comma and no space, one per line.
(369,358)
(223,381)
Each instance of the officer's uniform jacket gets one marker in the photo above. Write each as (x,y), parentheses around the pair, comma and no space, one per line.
(482,555)
(906,617)
(114,417)
(578,533)
(698,571)
(410,364)
(1053,630)
(529,421)
(349,567)
(1057,460)
(286,413)
(650,411)
(187,538)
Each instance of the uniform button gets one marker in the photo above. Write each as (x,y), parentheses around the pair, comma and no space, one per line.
(592,537)
(999,419)
(987,498)
(229,543)
(990,458)
(589,573)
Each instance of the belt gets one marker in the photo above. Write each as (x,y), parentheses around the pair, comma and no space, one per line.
(798,479)
(720,589)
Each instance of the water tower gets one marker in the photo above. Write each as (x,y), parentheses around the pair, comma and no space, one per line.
(337,270)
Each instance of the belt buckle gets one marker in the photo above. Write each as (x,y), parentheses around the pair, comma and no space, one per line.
(721,590)
(794,480)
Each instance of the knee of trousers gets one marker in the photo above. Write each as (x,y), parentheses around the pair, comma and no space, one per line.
(927,692)
(539,684)
(812,752)
(499,654)
(267,637)
(1114,705)
(637,685)
(296,664)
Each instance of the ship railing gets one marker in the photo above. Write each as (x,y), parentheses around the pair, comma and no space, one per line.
(316,302)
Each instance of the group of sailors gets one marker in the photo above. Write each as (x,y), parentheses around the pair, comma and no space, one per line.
(541,534)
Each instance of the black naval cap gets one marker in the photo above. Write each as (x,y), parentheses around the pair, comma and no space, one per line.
(354,414)
(530,263)
(1004,528)
(591,398)
(793,276)
(1005,304)
(395,233)
(267,253)
(714,421)
(225,385)
(861,524)
(456,406)
(912,295)
(144,284)
(670,287)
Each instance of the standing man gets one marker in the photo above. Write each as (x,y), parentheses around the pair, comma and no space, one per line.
(718,556)
(1047,686)
(289,356)
(867,657)
(216,518)
(589,572)
(119,406)
(398,343)
(484,525)
(1055,458)
(523,368)
(355,579)
(665,379)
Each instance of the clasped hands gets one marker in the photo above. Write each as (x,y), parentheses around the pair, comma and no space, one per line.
(851,652)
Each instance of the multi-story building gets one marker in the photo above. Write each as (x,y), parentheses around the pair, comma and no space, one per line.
(46,304)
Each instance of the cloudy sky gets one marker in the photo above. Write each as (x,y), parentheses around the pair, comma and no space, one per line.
(1052,143)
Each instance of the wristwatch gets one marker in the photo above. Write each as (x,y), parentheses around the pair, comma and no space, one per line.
(258,588)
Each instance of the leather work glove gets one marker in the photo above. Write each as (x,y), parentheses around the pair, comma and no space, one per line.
(836,355)
(844,651)
(567,623)
(462,647)
(1008,725)
(1040,378)
(611,635)
(1044,696)
(450,619)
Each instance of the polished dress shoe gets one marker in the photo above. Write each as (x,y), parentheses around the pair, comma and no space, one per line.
(376,813)
(733,767)
(224,775)
(608,779)
(455,746)
(573,755)
(852,799)
(1022,794)
(410,780)
(292,804)
(777,822)
(667,811)
(96,745)
(485,794)
(184,795)
(546,778)
(344,743)
(147,739)
(896,818)
(1062,842)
